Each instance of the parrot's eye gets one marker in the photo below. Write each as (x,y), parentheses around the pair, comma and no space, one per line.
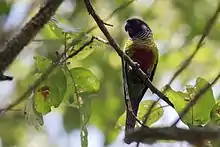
(144,27)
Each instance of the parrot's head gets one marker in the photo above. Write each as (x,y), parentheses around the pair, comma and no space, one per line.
(137,28)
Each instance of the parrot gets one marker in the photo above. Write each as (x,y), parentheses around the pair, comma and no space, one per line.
(141,48)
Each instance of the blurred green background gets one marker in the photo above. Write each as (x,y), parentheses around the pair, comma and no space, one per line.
(177,26)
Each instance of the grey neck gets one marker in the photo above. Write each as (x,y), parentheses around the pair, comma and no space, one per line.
(143,35)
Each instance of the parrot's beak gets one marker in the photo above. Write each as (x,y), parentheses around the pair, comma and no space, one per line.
(128,28)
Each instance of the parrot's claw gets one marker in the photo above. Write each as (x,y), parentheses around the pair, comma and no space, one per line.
(148,73)
(136,65)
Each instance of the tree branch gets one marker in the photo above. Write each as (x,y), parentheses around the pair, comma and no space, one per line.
(115,46)
(28,32)
(194,135)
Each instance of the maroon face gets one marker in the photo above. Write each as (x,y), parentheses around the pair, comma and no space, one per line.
(136,27)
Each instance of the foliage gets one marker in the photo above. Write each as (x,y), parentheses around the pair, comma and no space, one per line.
(200,113)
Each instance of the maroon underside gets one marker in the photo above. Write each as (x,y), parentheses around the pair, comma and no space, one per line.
(143,57)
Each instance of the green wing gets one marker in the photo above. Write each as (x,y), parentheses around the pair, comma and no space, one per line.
(151,79)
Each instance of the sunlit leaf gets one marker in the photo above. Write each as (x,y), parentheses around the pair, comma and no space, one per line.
(51,31)
(42,103)
(84,53)
(51,92)
(42,63)
(57,83)
(85,80)
(199,114)
(144,106)
(156,112)
(204,105)
(87,50)
(178,98)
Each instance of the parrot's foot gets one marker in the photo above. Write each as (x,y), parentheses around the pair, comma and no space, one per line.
(136,65)
(148,73)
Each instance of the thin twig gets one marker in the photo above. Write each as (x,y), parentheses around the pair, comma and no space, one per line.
(107,24)
(5,77)
(101,40)
(196,98)
(205,33)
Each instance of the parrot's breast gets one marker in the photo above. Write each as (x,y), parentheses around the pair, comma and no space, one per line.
(144,57)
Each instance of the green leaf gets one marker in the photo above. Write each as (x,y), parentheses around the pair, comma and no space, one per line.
(51,31)
(4,7)
(206,102)
(84,53)
(215,114)
(88,50)
(178,98)
(144,106)
(71,119)
(42,102)
(57,84)
(32,116)
(51,92)
(42,63)
(199,114)
(156,112)
(85,80)
(57,30)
